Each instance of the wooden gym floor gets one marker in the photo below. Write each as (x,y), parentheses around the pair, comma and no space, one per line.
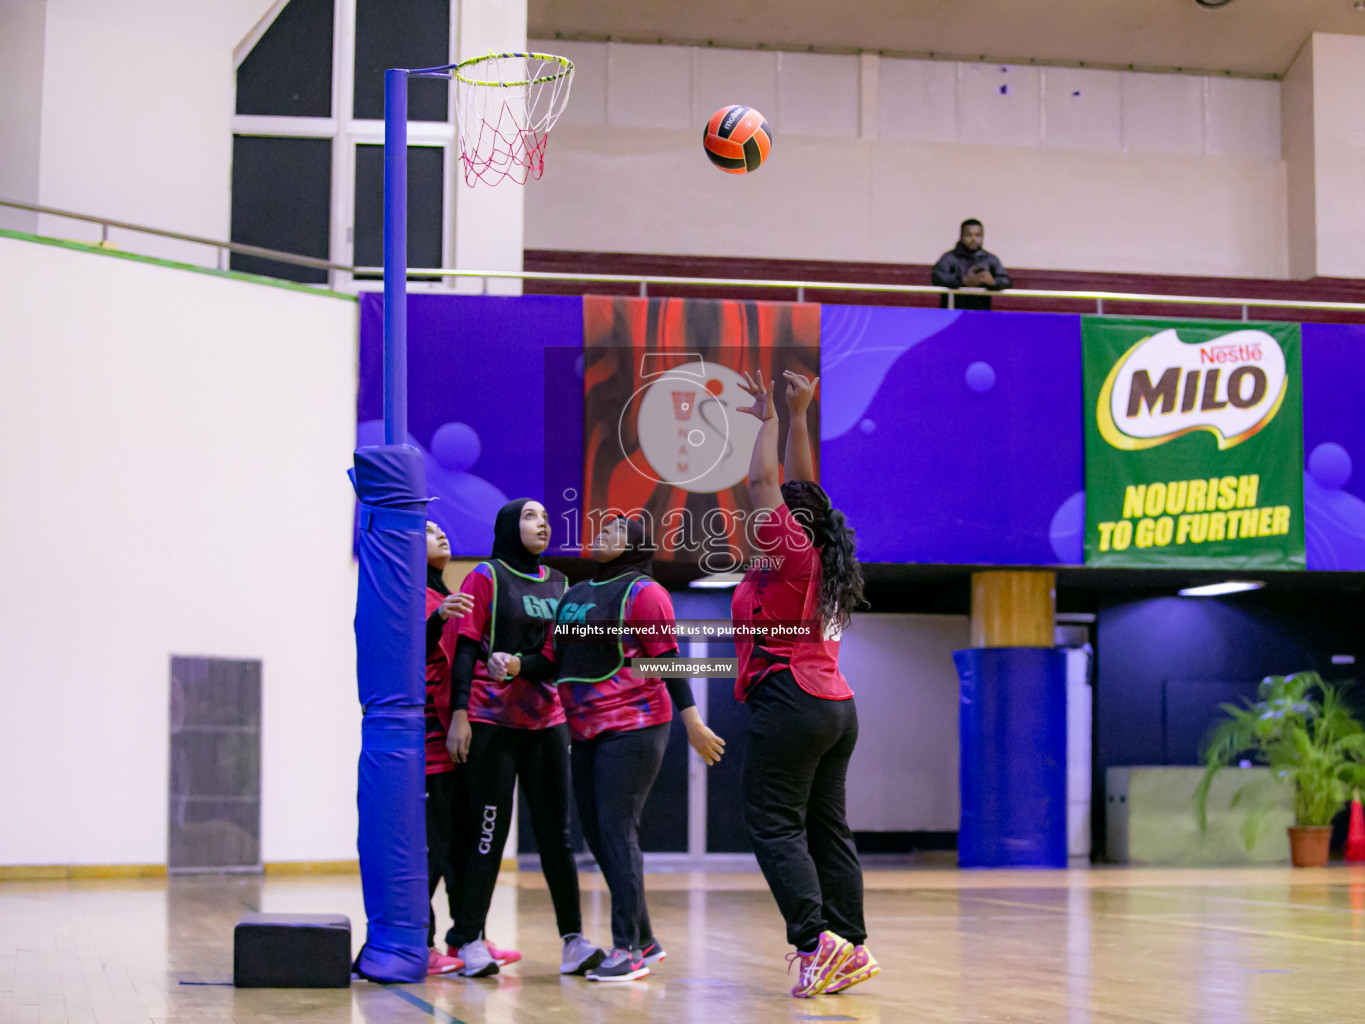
(1107,946)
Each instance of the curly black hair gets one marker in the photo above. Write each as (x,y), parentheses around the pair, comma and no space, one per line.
(841,583)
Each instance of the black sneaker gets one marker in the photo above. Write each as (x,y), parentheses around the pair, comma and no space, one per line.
(622,965)
(653,952)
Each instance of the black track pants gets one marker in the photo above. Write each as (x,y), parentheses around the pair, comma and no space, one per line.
(795,772)
(612,776)
(499,757)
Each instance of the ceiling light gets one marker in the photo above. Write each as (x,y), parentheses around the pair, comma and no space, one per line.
(718,580)
(1215,589)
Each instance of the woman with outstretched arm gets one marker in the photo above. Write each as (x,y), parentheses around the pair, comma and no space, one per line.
(803,723)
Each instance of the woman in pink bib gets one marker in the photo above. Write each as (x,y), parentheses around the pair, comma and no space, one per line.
(803,725)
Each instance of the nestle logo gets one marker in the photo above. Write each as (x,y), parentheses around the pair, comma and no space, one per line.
(1230,354)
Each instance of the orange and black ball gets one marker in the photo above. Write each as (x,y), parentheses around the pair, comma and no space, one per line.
(737,139)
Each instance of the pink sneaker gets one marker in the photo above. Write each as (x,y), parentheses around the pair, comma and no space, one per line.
(502,956)
(439,963)
(857,968)
(818,968)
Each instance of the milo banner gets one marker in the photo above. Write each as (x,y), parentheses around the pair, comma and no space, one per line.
(1193,444)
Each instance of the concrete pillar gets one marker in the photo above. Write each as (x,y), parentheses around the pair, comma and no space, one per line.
(1323,139)
(869,95)
(1297,148)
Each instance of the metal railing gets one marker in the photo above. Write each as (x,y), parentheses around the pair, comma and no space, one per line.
(800,288)
(350,275)
(221,247)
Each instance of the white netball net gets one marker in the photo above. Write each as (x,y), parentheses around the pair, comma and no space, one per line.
(507,103)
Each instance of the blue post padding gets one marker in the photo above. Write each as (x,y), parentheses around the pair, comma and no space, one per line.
(389,482)
(1012,725)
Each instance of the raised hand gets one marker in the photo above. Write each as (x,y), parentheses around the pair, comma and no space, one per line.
(800,391)
(763,408)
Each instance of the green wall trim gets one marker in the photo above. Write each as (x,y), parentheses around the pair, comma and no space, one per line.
(235,275)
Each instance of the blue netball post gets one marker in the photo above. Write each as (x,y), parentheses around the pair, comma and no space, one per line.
(503,121)
(390,484)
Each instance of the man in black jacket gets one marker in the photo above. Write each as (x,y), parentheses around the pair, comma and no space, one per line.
(967,265)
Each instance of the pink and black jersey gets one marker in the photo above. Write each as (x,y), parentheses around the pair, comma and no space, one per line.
(513,613)
(599,691)
(438,690)
(783,589)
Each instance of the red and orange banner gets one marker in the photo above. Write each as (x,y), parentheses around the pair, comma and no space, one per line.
(663,437)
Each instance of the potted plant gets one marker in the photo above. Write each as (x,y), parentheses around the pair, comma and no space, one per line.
(1302,730)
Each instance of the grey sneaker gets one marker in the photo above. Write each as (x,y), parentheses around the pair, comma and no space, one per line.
(580,955)
(622,965)
(478,962)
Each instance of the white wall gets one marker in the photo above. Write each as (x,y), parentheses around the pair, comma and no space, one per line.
(879,159)
(1079,733)
(876,158)
(906,764)
(174,483)
(137,104)
(21,91)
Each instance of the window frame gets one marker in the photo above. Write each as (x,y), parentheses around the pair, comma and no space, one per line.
(347,132)
(450,151)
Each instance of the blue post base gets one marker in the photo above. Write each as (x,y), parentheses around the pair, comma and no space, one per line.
(1012,725)
(391,544)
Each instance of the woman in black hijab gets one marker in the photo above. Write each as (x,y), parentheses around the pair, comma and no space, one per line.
(509,728)
(619,720)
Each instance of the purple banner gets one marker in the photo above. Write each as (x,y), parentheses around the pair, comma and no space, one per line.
(954,437)
(947,437)
(1334,446)
(495,403)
